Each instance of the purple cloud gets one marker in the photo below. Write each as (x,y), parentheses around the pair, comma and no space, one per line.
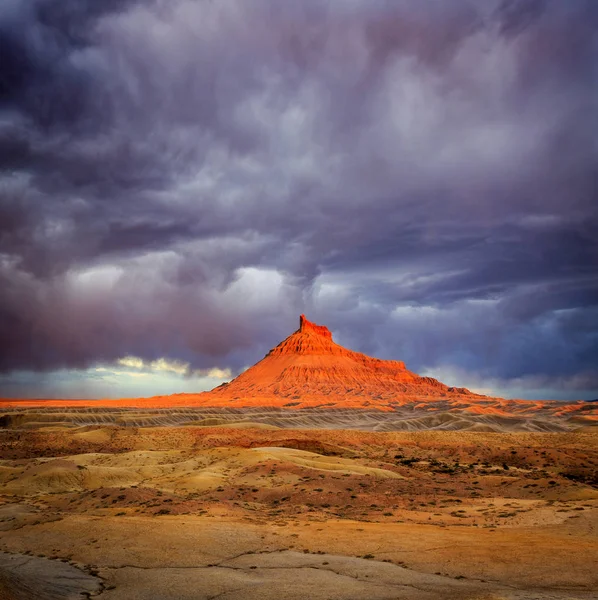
(182,180)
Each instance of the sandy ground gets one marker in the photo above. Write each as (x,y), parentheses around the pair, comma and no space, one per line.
(243,513)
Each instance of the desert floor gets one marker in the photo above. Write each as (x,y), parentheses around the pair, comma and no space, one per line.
(126,513)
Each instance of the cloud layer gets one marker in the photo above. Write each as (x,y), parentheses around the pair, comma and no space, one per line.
(181,179)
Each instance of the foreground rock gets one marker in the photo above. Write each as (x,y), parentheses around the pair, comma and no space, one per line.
(25,577)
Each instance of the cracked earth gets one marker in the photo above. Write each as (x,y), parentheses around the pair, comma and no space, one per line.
(210,513)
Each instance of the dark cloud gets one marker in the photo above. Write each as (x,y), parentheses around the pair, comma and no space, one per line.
(183,178)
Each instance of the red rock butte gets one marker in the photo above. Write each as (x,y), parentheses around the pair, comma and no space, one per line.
(306,370)
(309,368)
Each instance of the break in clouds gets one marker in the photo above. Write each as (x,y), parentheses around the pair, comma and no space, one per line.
(180,179)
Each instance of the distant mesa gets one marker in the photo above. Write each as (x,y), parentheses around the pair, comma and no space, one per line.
(310,368)
(310,381)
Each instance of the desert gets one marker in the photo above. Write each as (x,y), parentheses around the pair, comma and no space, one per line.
(394,486)
(298,300)
(205,512)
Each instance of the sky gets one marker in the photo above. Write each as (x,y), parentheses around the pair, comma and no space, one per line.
(180,179)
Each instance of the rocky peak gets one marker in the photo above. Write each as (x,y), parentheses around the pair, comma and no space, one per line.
(306,326)
(308,339)
(309,369)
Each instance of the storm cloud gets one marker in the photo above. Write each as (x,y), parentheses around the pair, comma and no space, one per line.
(180,179)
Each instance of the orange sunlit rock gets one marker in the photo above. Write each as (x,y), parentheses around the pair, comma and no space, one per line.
(309,370)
